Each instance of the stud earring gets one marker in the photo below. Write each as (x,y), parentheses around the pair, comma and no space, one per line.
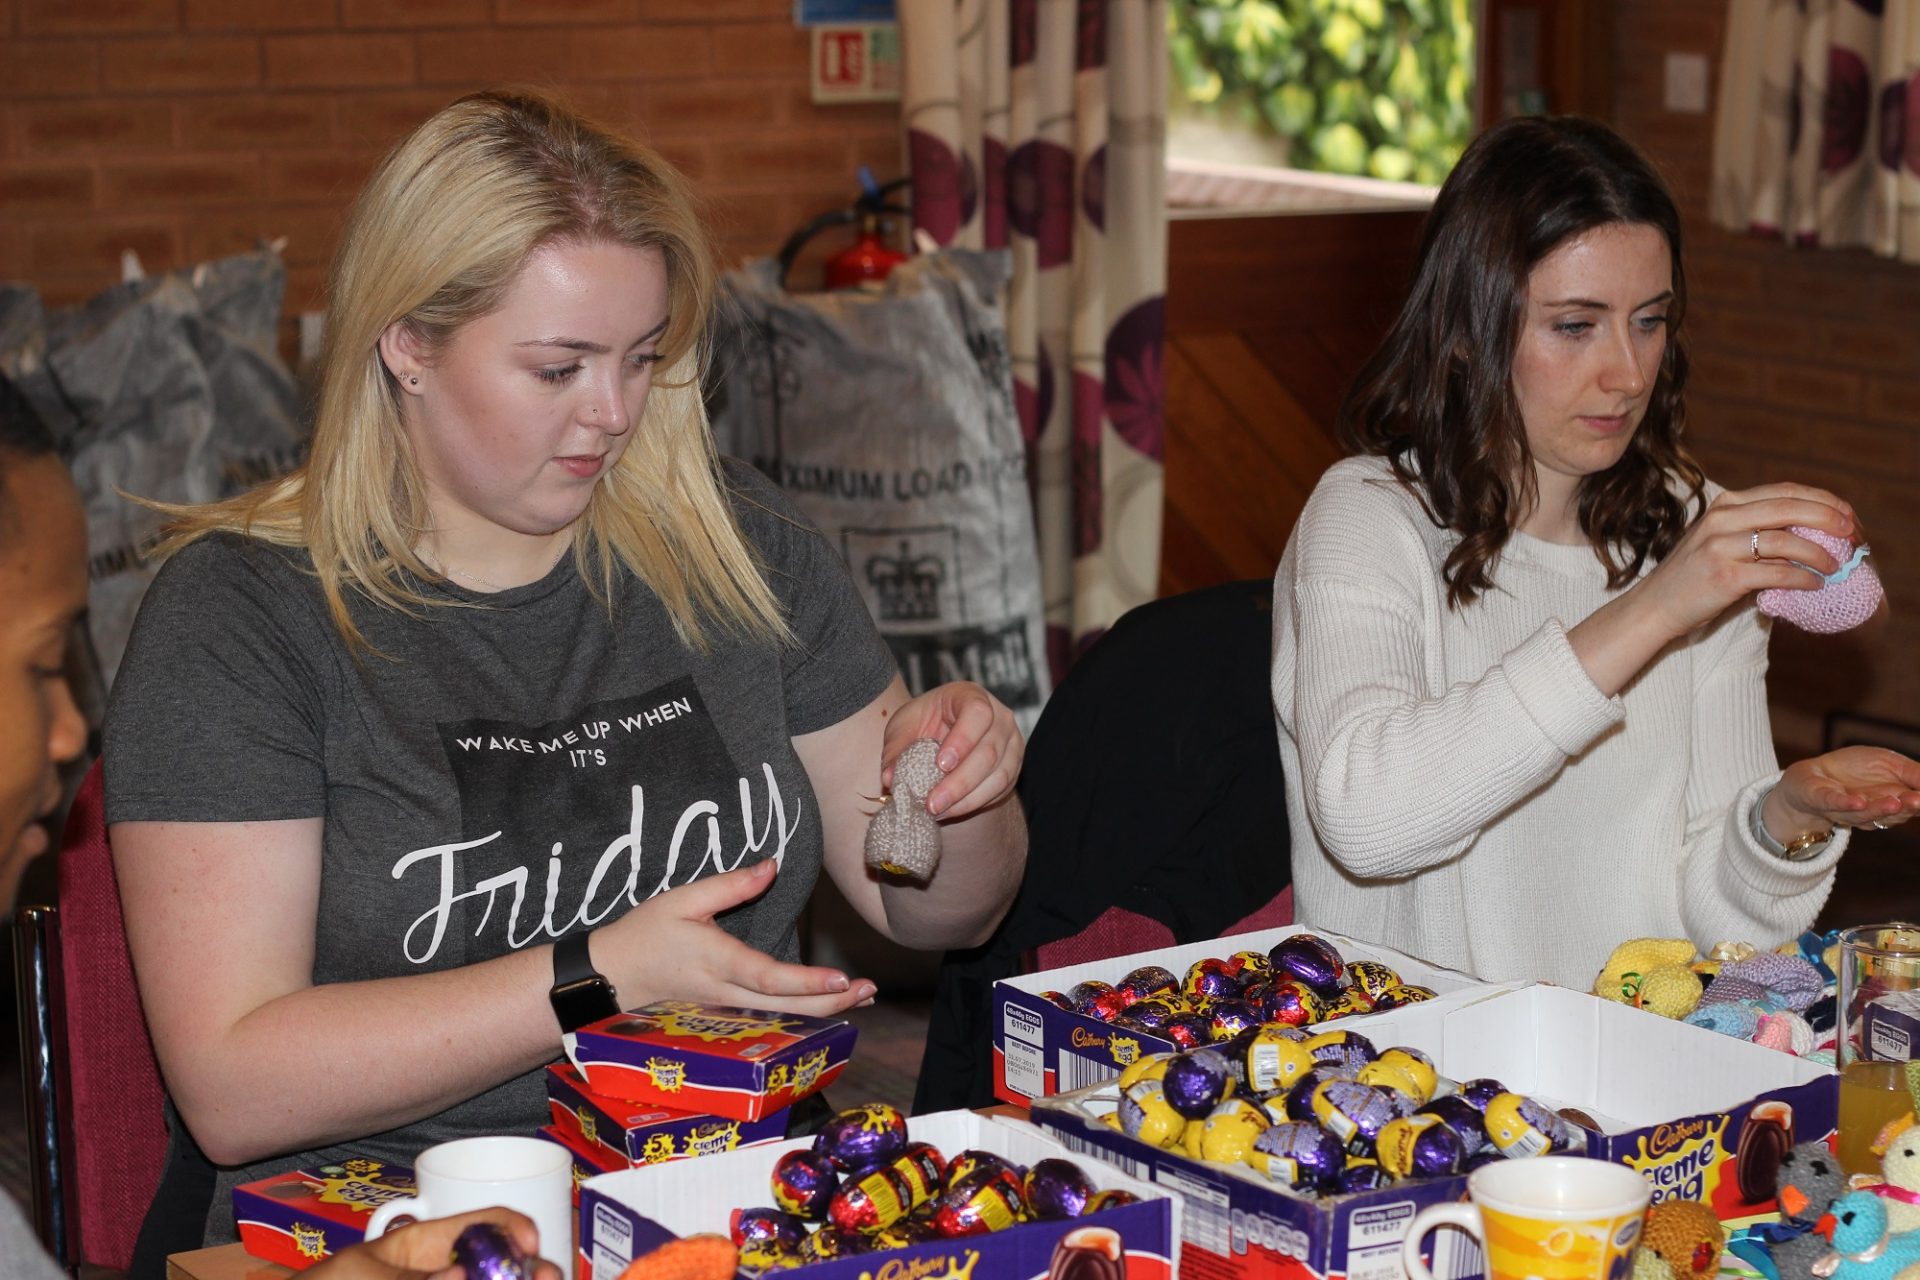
(413,382)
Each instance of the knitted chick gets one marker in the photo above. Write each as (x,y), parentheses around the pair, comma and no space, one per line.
(1809,1181)
(903,839)
(1901,1166)
(1687,1235)
(1625,977)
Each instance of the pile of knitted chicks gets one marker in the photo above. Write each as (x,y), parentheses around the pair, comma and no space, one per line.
(1780,999)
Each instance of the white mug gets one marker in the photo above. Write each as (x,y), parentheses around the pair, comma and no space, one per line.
(1543,1218)
(529,1175)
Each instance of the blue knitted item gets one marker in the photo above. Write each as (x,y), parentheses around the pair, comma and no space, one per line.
(1728,1018)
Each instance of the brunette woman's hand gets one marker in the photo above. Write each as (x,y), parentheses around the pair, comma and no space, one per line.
(424,1250)
(980,747)
(1850,787)
(1741,545)
(669,948)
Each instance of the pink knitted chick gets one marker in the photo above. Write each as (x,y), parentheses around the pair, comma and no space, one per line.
(1848,599)
(903,839)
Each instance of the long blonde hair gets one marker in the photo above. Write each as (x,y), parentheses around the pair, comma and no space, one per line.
(434,241)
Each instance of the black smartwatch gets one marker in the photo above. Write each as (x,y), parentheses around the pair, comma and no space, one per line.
(580,993)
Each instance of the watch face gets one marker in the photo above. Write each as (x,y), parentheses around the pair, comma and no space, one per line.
(586,1000)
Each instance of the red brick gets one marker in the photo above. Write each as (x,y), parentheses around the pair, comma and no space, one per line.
(306,289)
(415,13)
(1724,375)
(90,17)
(782,163)
(672,107)
(380,119)
(321,176)
(885,155)
(801,113)
(192,180)
(714,10)
(310,232)
(253,15)
(471,59)
(760,48)
(339,61)
(256,120)
(99,124)
(97,245)
(1879,345)
(1829,391)
(514,12)
(201,62)
(28,187)
(626,53)
(1894,400)
(13,251)
(48,68)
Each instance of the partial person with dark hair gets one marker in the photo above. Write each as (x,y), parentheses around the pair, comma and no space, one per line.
(513,705)
(43,580)
(1518,672)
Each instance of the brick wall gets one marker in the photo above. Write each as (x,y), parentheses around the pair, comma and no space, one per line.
(1806,367)
(188,129)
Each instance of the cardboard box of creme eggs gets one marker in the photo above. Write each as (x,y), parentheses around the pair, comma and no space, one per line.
(743,1064)
(1701,1115)
(1040,1048)
(620,1134)
(301,1216)
(627,1214)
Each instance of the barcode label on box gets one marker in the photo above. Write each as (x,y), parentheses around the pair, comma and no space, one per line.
(612,1235)
(1075,1143)
(1456,1256)
(1022,1024)
(1026,1068)
(1077,1071)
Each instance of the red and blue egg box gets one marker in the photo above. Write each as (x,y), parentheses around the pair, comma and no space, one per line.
(623,1133)
(744,1064)
(588,1162)
(298,1218)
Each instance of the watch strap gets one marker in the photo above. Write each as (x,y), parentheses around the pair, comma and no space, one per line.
(572,961)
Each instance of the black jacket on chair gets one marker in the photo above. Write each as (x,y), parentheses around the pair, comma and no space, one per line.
(1152,782)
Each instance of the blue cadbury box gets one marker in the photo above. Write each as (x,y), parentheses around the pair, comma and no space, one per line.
(1690,1109)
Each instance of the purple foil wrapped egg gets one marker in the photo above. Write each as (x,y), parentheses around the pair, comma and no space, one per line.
(1250,965)
(489,1253)
(1210,980)
(1463,1118)
(803,1182)
(1352,1112)
(1113,1199)
(980,1202)
(1372,977)
(1081,992)
(1058,999)
(1484,1156)
(1229,1018)
(1482,1091)
(1347,1049)
(1150,980)
(1297,1104)
(1105,1005)
(1145,1114)
(1292,1003)
(1313,960)
(767,1224)
(975,1160)
(1197,1082)
(867,1135)
(1419,1147)
(1188,1030)
(1148,1015)
(1299,1154)
(1361,1175)
(1056,1189)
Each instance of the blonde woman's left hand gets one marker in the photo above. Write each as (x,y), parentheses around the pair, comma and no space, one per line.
(1850,787)
(980,747)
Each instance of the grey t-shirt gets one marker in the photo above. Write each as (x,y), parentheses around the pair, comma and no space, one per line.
(497,776)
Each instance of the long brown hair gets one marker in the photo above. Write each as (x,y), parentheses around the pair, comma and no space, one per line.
(434,241)
(1436,399)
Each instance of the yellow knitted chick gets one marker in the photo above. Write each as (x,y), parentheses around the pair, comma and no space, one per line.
(1672,991)
(1627,968)
(1687,1234)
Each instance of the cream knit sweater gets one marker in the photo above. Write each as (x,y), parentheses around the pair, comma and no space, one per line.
(1459,789)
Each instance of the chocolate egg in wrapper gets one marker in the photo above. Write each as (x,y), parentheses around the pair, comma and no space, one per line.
(1361,1175)
(1351,1112)
(1400,996)
(1229,1018)
(1188,1030)
(1347,1049)
(1146,1114)
(489,1253)
(1227,1134)
(1210,980)
(1274,1057)
(1372,977)
(1058,999)
(763,1257)
(1463,1118)
(767,1224)
(978,1203)
(923,1171)
(1382,1074)
(1482,1091)
(803,1182)
(905,1233)
(1520,1127)
(974,1160)
(876,1199)
(1484,1156)
(1056,1189)
(1419,1147)
(1297,1102)
(831,1242)
(1292,1003)
(1197,1082)
(1107,1006)
(1148,1015)
(1148,1066)
(862,1136)
(1416,1065)
(1150,980)
(1081,992)
(1113,1199)
(1312,960)
(1350,1003)
(1300,1155)
(1249,965)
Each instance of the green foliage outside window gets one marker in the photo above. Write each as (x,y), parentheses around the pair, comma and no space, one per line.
(1381,88)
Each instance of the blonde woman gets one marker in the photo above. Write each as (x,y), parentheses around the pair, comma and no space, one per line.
(510,664)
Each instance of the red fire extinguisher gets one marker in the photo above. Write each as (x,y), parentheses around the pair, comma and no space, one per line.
(870,257)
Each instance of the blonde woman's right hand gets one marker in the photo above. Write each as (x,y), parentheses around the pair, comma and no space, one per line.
(669,948)
(1741,545)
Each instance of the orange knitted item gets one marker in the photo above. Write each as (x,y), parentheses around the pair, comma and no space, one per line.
(1687,1235)
(704,1257)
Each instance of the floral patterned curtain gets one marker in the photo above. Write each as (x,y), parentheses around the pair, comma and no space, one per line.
(1817,129)
(1039,126)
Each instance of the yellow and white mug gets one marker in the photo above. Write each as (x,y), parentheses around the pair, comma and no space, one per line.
(1547,1218)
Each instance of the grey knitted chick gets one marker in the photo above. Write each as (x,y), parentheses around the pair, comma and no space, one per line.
(903,839)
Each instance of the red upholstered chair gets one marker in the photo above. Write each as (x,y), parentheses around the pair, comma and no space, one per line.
(1119,932)
(97,1125)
